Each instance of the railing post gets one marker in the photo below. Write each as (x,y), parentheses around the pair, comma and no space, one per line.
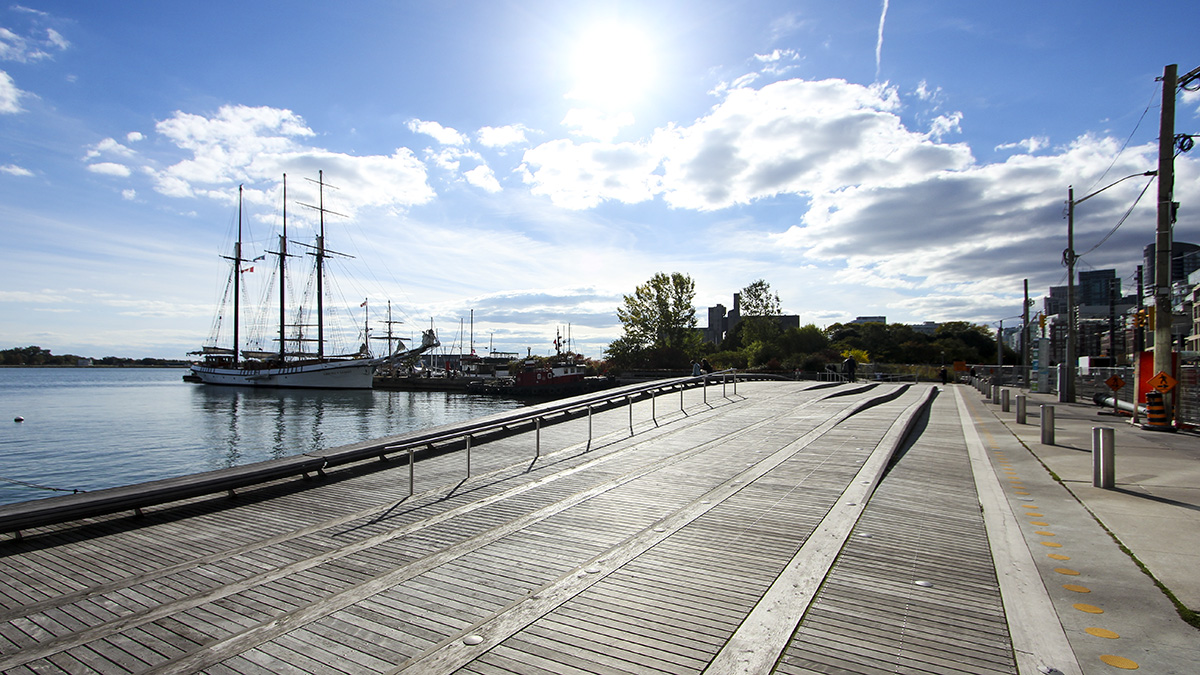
(704,386)
(630,400)
(1103,470)
(537,437)
(1021,402)
(681,390)
(468,455)
(735,383)
(589,426)
(653,400)
(411,473)
(1047,424)
(723,379)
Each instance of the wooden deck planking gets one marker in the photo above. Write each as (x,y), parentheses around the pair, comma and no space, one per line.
(875,577)
(556,543)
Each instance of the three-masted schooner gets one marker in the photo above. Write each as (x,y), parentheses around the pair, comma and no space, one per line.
(297,368)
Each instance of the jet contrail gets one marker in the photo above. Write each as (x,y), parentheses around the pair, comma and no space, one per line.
(879,42)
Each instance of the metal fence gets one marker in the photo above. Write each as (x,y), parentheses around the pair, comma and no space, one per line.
(1092,381)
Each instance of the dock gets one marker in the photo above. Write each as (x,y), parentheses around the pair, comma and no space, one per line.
(767,527)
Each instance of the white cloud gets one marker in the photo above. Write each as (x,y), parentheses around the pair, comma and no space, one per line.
(581,176)
(10,96)
(110,169)
(242,144)
(441,134)
(129,195)
(22,49)
(14,170)
(945,124)
(108,146)
(482,177)
(1029,145)
(500,137)
(134,136)
(596,124)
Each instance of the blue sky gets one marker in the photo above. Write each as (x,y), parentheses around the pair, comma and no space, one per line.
(535,161)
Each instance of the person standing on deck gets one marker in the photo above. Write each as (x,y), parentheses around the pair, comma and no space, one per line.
(849,366)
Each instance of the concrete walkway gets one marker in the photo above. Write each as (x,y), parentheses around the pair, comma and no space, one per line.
(1111,610)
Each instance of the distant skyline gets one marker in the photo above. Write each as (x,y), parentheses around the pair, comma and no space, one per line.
(533,162)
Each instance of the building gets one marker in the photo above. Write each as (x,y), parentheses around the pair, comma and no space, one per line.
(1055,302)
(721,323)
(1185,259)
(1097,287)
(869,319)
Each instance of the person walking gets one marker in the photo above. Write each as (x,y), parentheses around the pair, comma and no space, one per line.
(848,367)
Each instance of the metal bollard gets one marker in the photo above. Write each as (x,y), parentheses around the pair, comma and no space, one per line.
(468,455)
(1004,406)
(995,393)
(537,437)
(412,479)
(1021,408)
(1047,424)
(1103,470)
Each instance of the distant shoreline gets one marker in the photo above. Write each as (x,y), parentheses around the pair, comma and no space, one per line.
(182,364)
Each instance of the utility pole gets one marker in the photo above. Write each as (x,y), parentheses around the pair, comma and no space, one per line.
(1025,336)
(1139,332)
(1066,390)
(1162,242)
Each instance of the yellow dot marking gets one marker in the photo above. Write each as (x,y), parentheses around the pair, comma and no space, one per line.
(1058,556)
(1068,572)
(1090,609)
(1077,588)
(1119,662)
(1045,533)
(1027,506)
(1051,544)
(1038,523)
(1020,492)
(1035,515)
(1101,632)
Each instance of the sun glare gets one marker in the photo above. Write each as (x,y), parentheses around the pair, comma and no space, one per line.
(613,65)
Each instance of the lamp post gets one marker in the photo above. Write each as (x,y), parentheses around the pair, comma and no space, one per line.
(1066,390)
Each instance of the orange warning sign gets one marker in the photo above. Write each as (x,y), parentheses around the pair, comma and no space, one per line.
(1162,382)
(1114,383)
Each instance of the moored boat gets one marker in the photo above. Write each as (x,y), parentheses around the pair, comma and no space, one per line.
(296,367)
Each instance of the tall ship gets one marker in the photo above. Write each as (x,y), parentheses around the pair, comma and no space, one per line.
(300,360)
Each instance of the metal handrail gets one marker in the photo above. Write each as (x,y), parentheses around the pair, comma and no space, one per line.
(54,510)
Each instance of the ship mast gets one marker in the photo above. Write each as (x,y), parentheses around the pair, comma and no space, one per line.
(283,277)
(321,269)
(237,278)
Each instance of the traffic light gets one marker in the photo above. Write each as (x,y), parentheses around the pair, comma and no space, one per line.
(1150,317)
(1139,318)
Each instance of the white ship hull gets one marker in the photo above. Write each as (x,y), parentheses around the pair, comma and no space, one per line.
(357,374)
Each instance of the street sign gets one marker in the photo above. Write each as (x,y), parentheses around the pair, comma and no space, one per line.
(1114,383)
(1162,382)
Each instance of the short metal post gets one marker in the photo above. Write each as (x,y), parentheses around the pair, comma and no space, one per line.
(681,390)
(537,437)
(412,481)
(468,455)
(995,393)
(724,377)
(1047,424)
(653,414)
(705,386)
(1103,470)
(735,383)
(630,400)
(1004,406)
(1021,403)
(589,425)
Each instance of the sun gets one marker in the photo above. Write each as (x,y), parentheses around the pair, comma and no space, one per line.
(613,65)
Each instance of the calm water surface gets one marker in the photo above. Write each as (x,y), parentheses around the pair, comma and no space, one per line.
(93,428)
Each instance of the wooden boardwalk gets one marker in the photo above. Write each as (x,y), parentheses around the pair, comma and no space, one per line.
(788,528)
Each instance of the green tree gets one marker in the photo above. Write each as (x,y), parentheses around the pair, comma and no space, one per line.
(758,308)
(659,320)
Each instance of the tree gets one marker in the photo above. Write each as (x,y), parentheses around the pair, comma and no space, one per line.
(659,320)
(757,300)
(758,308)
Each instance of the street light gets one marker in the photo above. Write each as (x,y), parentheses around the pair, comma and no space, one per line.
(1066,390)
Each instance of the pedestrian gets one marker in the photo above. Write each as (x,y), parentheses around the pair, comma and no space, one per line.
(848,366)
(695,369)
(706,366)
(945,377)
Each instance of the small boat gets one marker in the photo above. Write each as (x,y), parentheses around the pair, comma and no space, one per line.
(296,367)
(563,374)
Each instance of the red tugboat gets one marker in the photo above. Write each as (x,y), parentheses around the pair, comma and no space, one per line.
(562,375)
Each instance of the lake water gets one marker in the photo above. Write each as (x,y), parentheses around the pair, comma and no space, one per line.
(93,428)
